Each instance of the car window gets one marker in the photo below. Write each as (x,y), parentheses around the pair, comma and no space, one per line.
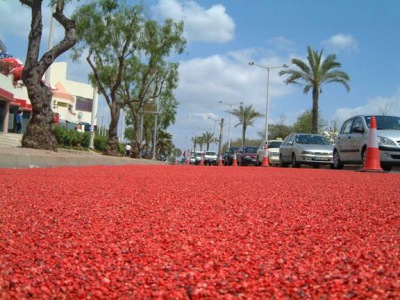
(251,149)
(301,139)
(318,140)
(346,128)
(357,124)
(385,122)
(275,144)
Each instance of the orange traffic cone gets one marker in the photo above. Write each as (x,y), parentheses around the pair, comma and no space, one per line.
(202,160)
(220,163)
(234,162)
(176,160)
(265,161)
(188,159)
(372,162)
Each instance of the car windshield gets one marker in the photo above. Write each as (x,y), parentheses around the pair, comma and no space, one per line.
(385,122)
(311,139)
(275,144)
(211,153)
(250,149)
(231,150)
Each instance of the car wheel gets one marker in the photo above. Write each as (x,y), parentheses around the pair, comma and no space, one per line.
(282,164)
(386,168)
(337,163)
(363,156)
(295,164)
(316,166)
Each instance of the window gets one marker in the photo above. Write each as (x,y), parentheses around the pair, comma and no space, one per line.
(84,104)
(346,128)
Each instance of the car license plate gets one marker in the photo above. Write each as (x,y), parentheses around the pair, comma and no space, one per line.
(321,158)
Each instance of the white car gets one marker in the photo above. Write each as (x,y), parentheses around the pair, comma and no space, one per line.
(273,152)
(210,158)
(307,149)
(352,141)
(195,157)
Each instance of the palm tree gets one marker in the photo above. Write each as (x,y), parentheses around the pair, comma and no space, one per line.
(194,141)
(208,138)
(246,116)
(314,75)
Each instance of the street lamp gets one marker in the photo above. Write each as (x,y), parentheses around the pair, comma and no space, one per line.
(230,115)
(267,105)
(215,124)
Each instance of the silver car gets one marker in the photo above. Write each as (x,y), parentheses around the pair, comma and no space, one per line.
(307,149)
(352,141)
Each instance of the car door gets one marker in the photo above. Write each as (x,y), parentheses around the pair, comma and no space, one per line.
(286,149)
(356,140)
(342,143)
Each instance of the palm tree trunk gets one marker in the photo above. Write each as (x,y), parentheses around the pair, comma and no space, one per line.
(314,117)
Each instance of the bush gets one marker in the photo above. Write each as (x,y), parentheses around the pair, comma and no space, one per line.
(100,142)
(71,139)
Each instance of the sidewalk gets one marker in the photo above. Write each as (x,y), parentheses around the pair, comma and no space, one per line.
(16,157)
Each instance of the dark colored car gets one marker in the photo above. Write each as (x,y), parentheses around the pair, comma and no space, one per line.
(227,158)
(247,155)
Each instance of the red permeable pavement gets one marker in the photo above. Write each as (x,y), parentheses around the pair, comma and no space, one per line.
(187,232)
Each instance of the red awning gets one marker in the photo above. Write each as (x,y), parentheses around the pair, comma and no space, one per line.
(23,104)
(6,95)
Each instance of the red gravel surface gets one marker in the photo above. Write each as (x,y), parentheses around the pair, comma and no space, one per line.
(186,232)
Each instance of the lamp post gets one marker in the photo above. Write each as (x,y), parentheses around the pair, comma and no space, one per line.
(267,104)
(230,118)
(215,124)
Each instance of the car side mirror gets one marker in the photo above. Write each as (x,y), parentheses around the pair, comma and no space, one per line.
(358,130)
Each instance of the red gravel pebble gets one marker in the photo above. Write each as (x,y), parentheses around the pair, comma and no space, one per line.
(186,232)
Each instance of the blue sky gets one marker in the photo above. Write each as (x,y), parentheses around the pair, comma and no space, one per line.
(223,36)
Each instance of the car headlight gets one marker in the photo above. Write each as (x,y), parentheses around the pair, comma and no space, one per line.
(385,141)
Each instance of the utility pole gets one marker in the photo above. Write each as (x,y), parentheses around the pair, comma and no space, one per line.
(220,137)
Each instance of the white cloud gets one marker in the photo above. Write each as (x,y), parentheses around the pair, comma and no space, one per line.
(377,105)
(207,25)
(341,43)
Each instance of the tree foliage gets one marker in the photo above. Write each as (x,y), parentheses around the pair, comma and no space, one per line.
(303,123)
(128,56)
(313,75)
(246,116)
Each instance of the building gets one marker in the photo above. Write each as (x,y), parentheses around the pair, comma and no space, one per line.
(72,101)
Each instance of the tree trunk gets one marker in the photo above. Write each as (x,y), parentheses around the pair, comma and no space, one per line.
(314,115)
(137,143)
(40,130)
(112,148)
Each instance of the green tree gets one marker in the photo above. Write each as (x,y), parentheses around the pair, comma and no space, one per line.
(278,130)
(164,143)
(40,130)
(127,54)
(246,115)
(303,123)
(313,74)
(208,138)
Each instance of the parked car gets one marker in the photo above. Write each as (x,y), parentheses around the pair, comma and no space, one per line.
(273,152)
(195,157)
(352,142)
(305,148)
(247,155)
(227,159)
(210,158)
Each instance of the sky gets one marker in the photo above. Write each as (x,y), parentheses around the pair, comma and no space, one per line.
(224,36)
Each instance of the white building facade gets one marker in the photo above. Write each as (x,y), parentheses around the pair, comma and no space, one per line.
(72,101)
